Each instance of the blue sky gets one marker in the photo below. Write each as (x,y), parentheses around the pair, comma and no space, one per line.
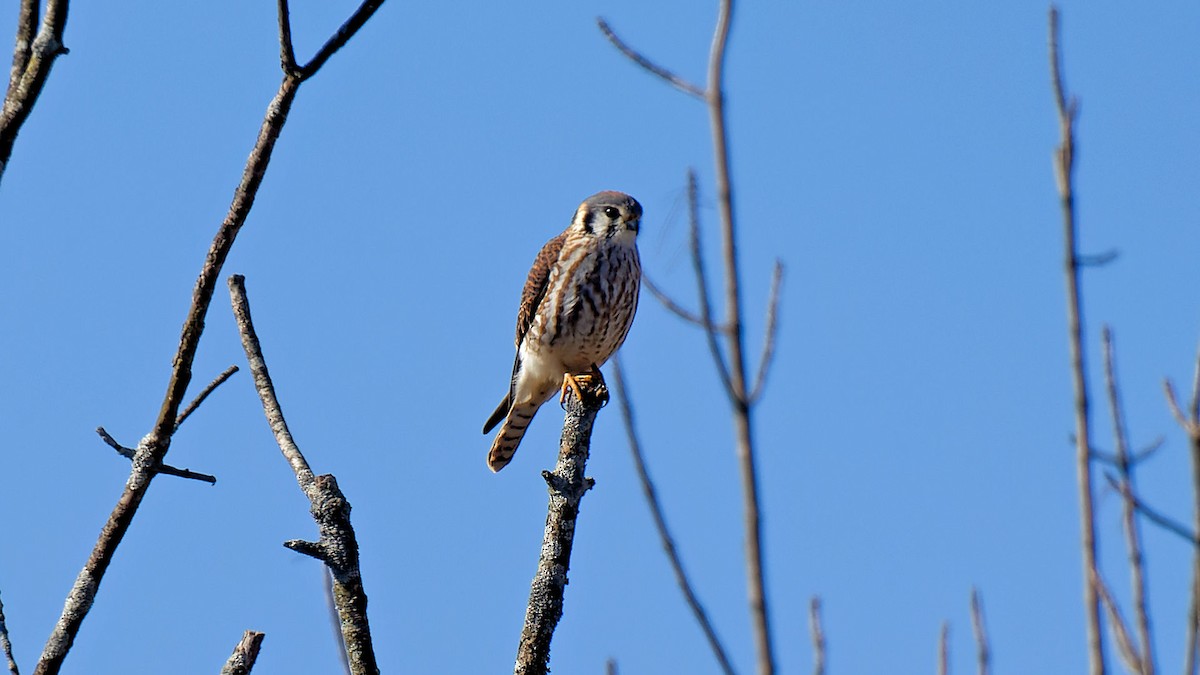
(914,434)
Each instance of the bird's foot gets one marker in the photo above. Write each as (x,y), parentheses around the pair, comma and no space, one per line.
(587,387)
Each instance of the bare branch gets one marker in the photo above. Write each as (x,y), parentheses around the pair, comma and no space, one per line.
(338,546)
(220,379)
(610,667)
(1165,522)
(677,309)
(287,51)
(706,314)
(336,622)
(241,661)
(31,68)
(1064,169)
(6,645)
(1133,537)
(818,635)
(341,37)
(983,655)
(943,661)
(128,453)
(660,521)
(648,65)
(567,485)
(148,458)
(769,335)
(1125,647)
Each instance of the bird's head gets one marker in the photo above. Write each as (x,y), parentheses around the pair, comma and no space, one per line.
(609,215)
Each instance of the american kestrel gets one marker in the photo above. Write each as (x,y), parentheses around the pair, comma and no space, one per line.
(576,309)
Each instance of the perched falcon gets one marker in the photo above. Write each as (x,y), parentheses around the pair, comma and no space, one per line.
(576,309)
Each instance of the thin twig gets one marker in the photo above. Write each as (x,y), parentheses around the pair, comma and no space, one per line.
(340,38)
(148,458)
(567,485)
(33,59)
(338,546)
(648,65)
(676,308)
(660,521)
(1125,647)
(610,667)
(704,297)
(1133,536)
(245,653)
(1165,522)
(335,621)
(983,653)
(6,645)
(769,335)
(129,453)
(1064,169)
(817,632)
(943,658)
(220,379)
(1190,423)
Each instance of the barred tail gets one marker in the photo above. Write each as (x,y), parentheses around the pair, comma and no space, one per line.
(509,436)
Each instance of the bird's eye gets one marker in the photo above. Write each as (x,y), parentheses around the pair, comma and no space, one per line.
(612,212)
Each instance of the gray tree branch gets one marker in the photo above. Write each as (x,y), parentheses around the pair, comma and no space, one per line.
(567,485)
(33,56)
(245,653)
(338,546)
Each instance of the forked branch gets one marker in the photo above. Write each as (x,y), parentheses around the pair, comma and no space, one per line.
(151,451)
(33,56)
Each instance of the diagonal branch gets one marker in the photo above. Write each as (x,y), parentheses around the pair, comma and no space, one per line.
(338,546)
(1064,170)
(769,335)
(1190,422)
(660,523)
(1125,647)
(287,51)
(218,381)
(33,57)
(675,308)
(245,653)
(153,448)
(648,65)
(340,38)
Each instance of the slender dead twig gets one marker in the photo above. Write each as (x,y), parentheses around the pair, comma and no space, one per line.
(660,521)
(1133,535)
(1064,173)
(33,56)
(610,667)
(338,546)
(128,453)
(983,654)
(1190,422)
(6,645)
(769,335)
(1165,522)
(245,653)
(676,308)
(943,656)
(567,485)
(148,458)
(706,314)
(1125,646)
(817,632)
(218,381)
(635,56)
